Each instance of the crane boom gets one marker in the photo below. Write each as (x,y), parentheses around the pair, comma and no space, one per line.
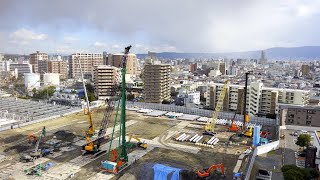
(43,132)
(91,127)
(209,127)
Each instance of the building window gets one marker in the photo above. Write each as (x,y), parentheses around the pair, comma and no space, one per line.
(308,123)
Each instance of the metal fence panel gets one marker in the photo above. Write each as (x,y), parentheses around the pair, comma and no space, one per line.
(199,112)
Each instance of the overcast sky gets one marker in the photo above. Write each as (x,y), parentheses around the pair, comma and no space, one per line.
(68,26)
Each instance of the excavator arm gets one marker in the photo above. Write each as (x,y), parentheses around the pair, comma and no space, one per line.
(206,173)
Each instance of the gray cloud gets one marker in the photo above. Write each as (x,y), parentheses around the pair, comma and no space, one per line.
(189,26)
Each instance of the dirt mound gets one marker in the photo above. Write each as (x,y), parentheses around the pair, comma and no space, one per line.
(64,135)
(19,148)
(11,139)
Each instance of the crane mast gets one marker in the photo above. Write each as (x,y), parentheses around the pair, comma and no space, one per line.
(117,158)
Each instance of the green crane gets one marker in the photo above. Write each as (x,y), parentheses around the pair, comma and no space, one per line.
(117,158)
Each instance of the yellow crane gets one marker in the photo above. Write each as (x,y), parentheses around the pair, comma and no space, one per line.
(209,127)
(91,130)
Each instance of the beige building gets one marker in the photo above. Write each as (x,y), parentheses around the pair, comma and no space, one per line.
(299,115)
(305,69)
(87,60)
(35,58)
(59,66)
(116,60)
(157,82)
(260,99)
(104,78)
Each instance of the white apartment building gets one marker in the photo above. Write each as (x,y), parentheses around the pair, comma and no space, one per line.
(260,99)
(192,97)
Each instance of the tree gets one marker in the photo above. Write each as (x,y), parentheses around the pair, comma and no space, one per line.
(165,102)
(89,88)
(293,172)
(130,97)
(50,90)
(91,97)
(303,140)
(272,116)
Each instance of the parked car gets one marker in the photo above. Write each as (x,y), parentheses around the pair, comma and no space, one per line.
(304,132)
(295,133)
(264,174)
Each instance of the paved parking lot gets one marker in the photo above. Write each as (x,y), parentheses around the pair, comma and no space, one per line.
(289,146)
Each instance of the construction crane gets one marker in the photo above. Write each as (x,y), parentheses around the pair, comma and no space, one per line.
(91,130)
(36,153)
(245,115)
(233,127)
(206,172)
(117,158)
(93,146)
(139,144)
(209,127)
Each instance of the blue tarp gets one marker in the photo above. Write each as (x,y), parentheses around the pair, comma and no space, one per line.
(161,172)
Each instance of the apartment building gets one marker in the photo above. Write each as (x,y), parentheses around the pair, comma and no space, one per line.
(87,60)
(116,60)
(305,69)
(35,58)
(22,68)
(260,99)
(43,66)
(58,66)
(299,115)
(104,78)
(193,67)
(157,82)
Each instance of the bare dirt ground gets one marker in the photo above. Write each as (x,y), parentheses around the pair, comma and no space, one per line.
(15,141)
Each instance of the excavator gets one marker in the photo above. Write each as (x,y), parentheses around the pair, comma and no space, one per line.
(206,172)
(139,144)
(209,127)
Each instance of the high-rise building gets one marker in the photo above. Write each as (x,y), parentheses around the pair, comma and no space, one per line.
(193,67)
(58,66)
(260,99)
(1,57)
(87,60)
(263,59)
(104,78)
(105,58)
(35,57)
(222,68)
(305,69)
(157,82)
(116,60)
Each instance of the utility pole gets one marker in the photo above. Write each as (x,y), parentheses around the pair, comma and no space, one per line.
(245,115)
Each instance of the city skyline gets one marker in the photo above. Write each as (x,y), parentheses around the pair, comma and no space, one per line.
(206,27)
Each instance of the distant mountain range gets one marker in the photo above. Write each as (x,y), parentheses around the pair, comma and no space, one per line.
(277,53)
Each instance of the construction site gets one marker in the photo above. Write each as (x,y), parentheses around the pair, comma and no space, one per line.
(120,142)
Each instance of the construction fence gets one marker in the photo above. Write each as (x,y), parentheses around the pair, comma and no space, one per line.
(199,112)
